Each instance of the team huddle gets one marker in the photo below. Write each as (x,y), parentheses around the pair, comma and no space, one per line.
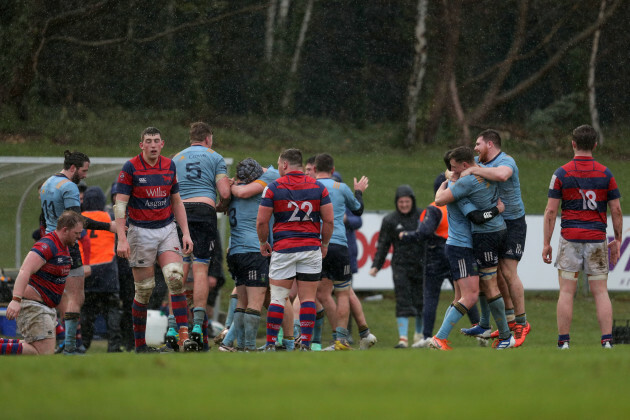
(288,250)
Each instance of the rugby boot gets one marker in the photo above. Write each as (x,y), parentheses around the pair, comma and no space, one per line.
(511,324)
(476,331)
(519,334)
(423,343)
(507,343)
(171,339)
(342,344)
(149,349)
(226,349)
(367,342)
(440,344)
(402,343)
(196,335)
(218,339)
(185,343)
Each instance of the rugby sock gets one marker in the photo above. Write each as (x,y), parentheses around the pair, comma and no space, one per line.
(9,347)
(275,314)
(308,313)
(229,338)
(60,331)
(251,320)
(607,338)
(563,338)
(484,319)
(180,310)
(497,307)
(509,314)
(419,324)
(231,308)
(296,327)
(342,333)
(364,331)
(403,326)
(319,325)
(139,317)
(288,342)
(453,314)
(239,327)
(71,320)
(9,340)
(199,315)
(521,319)
(171,322)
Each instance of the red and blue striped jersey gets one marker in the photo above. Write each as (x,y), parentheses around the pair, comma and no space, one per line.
(296,200)
(149,189)
(50,280)
(585,188)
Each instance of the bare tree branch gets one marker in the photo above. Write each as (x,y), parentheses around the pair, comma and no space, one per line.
(170,31)
(542,44)
(586,33)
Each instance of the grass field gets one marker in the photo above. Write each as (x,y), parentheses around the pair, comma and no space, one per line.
(534,381)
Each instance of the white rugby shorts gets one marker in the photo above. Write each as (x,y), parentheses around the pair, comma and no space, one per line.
(146,244)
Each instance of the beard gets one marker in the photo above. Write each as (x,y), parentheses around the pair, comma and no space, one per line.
(75,178)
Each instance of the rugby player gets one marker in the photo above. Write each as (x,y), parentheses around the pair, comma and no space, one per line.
(148,188)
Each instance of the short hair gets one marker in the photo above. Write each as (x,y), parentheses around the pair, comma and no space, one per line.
(311,160)
(77,159)
(491,135)
(69,219)
(150,131)
(199,131)
(293,156)
(585,137)
(462,154)
(324,163)
(447,159)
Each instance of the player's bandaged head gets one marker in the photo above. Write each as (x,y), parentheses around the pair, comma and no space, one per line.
(248,170)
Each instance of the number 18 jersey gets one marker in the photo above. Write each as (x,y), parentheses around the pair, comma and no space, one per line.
(585,188)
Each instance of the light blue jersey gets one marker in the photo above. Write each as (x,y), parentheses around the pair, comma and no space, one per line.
(242,215)
(459,233)
(57,194)
(510,190)
(197,168)
(483,195)
(341,197)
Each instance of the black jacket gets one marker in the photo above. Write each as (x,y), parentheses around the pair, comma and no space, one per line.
(408,256)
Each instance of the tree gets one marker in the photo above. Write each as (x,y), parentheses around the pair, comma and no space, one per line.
(50,23)
(592,97)
(495,83)
(417,73)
